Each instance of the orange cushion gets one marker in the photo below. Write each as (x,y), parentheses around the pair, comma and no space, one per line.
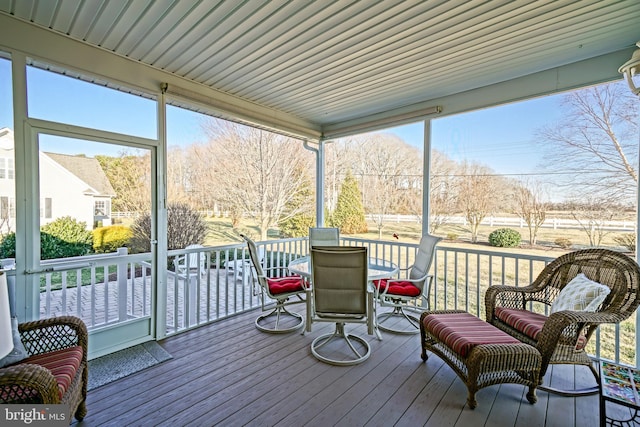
(283,285)
(63,365)
(461,332)
(403,288)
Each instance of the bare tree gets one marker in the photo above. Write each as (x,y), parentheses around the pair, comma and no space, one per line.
(531,207)
(179,176)
(480,193)
(389,171)
(595,144)
(259,171)
(443,190)
(201,189)
(337,163)
(592,215)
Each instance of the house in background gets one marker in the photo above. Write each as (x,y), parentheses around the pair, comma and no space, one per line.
(74,186)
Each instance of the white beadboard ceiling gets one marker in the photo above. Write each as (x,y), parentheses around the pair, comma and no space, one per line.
(330,62)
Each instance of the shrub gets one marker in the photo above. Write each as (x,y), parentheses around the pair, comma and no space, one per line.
(185,227)
(627,240)
(452,236)
(110,238)
(8,246)
(65,237)
(505,238)
(563,242)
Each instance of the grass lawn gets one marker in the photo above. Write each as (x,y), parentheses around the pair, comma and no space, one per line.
(222,233)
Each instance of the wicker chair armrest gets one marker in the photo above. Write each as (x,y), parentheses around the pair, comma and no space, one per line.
(19,382)
(584,317)
(505,296)
(565,326)
(55,333)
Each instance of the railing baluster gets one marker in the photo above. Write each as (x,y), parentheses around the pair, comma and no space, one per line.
(227,294)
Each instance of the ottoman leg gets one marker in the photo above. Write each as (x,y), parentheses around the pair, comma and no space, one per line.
(531,395)
(423,337)
(471,399)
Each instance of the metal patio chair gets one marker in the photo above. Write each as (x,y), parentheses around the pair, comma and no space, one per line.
(339,294)
(411,293)
(284,290)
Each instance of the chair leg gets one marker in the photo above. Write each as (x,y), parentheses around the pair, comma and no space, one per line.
(398,312)
(340,333)
(279,311)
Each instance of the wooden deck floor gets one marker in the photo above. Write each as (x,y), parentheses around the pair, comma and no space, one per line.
(230,374)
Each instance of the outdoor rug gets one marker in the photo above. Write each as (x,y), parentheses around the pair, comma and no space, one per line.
(111,367)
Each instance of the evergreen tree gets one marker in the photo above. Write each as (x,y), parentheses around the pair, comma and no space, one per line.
(298,225)
(349,213)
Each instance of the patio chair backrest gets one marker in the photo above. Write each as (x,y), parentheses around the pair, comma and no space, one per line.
(256,259)
(424,256)
(610,268)
(196,259)
(324,236)
(339,279)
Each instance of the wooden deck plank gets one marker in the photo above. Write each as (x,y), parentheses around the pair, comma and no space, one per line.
(506,404)
(384,379)
(228,373)
(533,415)
(332,403)
(428,399)
(486,398)
(558,413)
(397,404)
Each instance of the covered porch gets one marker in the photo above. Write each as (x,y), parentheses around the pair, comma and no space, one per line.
(313,71)
(228,373)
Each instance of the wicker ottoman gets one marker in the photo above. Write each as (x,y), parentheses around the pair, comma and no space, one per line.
(479,353)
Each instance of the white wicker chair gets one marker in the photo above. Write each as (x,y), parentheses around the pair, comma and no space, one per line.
(191,263)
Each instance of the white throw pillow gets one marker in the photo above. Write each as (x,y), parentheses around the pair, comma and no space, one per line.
(580,294)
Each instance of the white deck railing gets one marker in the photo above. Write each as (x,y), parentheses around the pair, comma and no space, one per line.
(110,293)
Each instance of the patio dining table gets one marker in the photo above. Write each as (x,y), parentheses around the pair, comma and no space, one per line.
(377,268)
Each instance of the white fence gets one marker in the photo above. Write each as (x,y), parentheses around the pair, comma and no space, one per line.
(493,221)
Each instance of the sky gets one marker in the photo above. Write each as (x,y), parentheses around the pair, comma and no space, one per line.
(502,138)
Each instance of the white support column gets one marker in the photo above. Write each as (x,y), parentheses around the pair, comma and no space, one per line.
(426,172)
(159,213)
(27,214)
(320,185)
(319,152)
